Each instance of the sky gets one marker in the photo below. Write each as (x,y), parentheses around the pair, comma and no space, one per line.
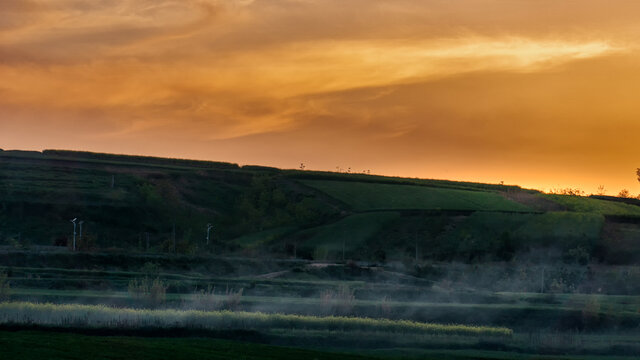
(543,94)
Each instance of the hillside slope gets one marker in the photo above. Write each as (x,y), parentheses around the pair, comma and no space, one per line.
(148,204)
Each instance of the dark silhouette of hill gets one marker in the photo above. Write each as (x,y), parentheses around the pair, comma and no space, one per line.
(159,205)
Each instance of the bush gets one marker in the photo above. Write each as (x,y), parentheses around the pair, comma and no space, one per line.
(578,255)
(152,292)
(384,308)
(338,302)
(208,300)
(591,312)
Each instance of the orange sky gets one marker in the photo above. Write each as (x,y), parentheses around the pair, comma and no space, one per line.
(544,94)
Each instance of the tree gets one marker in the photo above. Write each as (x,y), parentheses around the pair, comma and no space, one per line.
(638,173)
(601,190)
(624,193)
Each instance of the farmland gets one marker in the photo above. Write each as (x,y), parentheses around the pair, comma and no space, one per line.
(306,264)
(60,345)
(370,196)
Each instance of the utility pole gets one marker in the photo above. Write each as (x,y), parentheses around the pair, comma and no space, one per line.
(80,237)
(74,233)
(173,234)
(209,227)
(416,236)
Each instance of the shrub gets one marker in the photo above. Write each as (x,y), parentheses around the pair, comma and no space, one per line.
(384,308)
(578,255)
(151,292)
(338,302)
(150,269)
(208,300)
(557,286)
(591,311)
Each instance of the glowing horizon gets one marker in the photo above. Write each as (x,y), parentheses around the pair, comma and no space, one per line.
(536,94)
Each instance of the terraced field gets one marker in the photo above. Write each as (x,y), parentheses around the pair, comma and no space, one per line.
(371,196)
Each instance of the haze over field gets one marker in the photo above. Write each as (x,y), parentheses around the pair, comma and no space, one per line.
(536,93)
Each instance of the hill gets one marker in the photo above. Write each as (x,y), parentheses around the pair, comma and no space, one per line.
(157,205)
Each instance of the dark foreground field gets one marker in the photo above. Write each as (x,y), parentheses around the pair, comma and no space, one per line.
(50,345)
(28,345)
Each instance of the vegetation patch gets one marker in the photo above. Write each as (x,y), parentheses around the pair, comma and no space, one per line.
(27,345)
(371,196)
(586,204)
(568,227)
(350,233)
(103,316)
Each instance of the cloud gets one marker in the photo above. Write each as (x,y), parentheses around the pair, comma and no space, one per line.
(481,79)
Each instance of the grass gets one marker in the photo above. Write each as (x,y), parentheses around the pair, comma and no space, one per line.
(513,310)
(31,345)
(585,204)
(262,237)
(96,316)
(552,227)
(353,231)
(371,196)
(468,354)
(101,316)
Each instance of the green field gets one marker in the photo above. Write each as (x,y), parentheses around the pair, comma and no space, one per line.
(585,204)
(568,226)
(32,345)
(327,242)
(370,196)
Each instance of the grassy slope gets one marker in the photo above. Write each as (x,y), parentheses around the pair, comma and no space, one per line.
(567,226)
(269,211)
(369,196)
(262,237)
(353,231)
(585,204)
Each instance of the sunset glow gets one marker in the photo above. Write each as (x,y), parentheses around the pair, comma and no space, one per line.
(543,94)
